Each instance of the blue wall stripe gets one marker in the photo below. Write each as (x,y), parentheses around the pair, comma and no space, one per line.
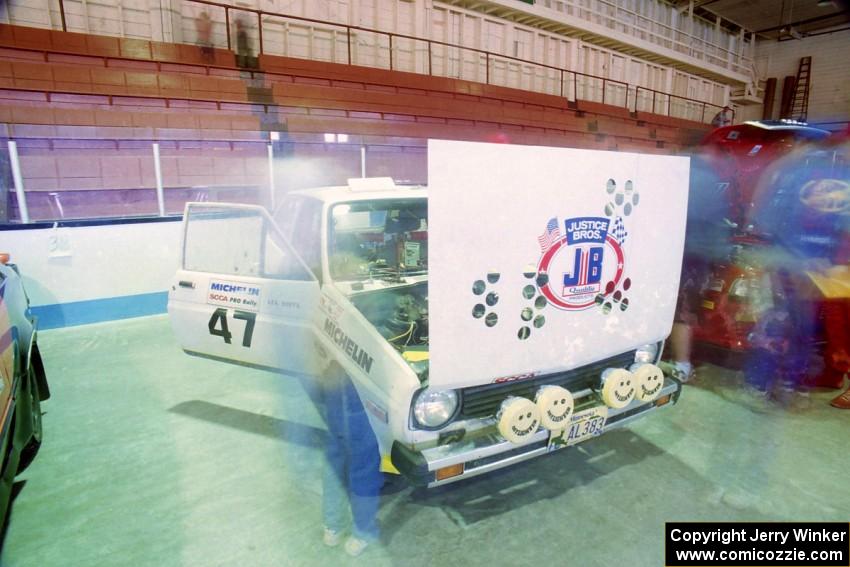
(97,310)
(90,222)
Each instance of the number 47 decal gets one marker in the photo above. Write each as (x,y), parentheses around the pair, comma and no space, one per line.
(218,325)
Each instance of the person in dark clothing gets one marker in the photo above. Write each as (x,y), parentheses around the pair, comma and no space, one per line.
(706,242)
(244,54)
(352,478)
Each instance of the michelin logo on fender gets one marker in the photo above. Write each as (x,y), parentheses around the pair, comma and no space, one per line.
(579,262)
(354,351)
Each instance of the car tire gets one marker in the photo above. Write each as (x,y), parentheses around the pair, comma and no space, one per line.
(30,450)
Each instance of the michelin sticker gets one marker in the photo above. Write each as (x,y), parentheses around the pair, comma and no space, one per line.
(354,351)
(237,295)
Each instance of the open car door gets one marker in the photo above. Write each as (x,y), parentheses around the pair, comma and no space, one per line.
(242,294)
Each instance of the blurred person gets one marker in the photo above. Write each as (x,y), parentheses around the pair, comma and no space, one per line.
(837,355)
(834,284)
(836,196)
(722,118)
(706,242)
(836,320)
(842,401)
(829,273)
(203,26)
(776,365)
(804,208)
(244,54)
(352,478)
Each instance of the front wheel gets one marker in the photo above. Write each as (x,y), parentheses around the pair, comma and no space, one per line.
(30,450)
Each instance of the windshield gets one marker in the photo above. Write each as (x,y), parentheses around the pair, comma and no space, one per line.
(384,239)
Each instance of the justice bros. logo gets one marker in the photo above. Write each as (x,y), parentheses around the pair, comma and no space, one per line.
(579,261)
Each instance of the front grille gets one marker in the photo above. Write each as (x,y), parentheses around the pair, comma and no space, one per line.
(484,401)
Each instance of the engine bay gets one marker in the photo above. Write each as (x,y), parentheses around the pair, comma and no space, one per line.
(399,313)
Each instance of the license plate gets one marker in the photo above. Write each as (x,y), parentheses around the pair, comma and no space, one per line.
(583,425)
(707,304)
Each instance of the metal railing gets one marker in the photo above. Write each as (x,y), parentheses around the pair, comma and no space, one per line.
(166,192)
(565,78)
(662,99)
(431,57)
(639,25)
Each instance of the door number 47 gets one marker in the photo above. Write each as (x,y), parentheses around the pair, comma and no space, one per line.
(218,325)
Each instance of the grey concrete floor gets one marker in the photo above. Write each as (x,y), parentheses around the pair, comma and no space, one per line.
(152,457)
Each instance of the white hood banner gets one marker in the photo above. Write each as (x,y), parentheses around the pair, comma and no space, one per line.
(543,259)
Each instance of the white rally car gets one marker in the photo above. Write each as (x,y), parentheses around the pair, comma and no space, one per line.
(340,275)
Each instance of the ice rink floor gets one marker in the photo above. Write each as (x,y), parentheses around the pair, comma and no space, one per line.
(152,457)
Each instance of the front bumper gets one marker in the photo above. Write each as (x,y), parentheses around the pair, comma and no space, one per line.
(490,452)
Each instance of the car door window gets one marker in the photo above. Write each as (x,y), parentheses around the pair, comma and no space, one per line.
(238,241)
(224,241)
(299,218)
(307,235)
(286,214)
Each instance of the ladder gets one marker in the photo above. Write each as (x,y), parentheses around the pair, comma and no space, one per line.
(799,107)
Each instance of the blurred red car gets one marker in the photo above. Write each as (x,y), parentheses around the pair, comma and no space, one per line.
(770,168)
(741,153)
(731,300)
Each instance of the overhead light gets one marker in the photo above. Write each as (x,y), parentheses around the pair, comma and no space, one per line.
(826,4)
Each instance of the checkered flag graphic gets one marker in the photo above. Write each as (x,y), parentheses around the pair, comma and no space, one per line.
(619,231)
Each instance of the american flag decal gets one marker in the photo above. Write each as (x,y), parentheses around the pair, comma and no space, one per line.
(619,231)
(551,235)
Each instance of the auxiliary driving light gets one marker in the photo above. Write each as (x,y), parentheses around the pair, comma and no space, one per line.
(556,406)
(518,419)
(618,387)
(650,380)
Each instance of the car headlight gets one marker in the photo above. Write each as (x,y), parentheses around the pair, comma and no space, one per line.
(435,408)
(647,353)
